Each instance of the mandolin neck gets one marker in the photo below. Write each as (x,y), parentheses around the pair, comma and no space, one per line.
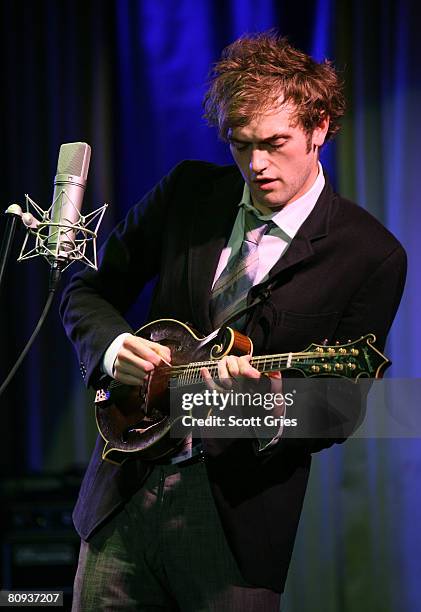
(308,362)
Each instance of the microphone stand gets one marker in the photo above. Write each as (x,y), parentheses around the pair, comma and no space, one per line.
(14,215)
(41,228)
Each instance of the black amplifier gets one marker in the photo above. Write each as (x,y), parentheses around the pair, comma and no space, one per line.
(39,546)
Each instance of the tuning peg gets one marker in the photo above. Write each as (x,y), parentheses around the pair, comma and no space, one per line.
(325,342)
(337,343)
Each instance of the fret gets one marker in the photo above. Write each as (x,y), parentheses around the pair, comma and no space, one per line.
(316,360)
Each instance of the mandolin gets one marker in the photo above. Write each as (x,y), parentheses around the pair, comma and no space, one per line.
(135,420)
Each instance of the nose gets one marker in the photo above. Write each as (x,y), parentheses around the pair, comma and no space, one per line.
(258,161)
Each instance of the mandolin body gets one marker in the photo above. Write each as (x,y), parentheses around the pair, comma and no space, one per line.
(136,419)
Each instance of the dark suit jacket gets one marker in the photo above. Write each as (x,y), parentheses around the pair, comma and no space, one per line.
(342,277)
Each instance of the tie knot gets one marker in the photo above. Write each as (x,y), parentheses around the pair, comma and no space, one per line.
(255,228)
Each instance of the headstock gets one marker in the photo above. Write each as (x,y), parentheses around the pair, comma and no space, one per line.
(354,359)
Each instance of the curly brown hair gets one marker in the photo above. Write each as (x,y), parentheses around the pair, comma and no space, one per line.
(258,72)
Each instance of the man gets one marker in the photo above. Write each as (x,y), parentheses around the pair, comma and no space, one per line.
(214,530)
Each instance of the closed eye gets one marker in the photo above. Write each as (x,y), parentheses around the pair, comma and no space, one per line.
(269,146)
(239,146)
(275,147)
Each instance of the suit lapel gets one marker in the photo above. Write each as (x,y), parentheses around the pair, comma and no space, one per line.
(211,228)
(212,223)
(316,226)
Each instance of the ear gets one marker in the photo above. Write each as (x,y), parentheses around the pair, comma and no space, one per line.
(319,133)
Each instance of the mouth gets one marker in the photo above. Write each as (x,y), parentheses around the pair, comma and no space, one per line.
(264,184)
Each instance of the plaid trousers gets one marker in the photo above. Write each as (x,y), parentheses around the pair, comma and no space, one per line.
(166,550)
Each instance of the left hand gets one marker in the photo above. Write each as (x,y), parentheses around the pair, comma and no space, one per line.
(231,367)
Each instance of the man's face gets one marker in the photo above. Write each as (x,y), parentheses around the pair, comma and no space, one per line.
(277,160)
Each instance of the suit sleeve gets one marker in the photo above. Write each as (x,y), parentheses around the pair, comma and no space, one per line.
(93,304)
(374,306)
(330,410)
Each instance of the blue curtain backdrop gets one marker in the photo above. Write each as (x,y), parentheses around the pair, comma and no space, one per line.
(128,76)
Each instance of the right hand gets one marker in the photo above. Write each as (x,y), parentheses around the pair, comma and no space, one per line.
(137,358)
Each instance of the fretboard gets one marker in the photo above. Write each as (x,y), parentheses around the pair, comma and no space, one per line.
(190,374)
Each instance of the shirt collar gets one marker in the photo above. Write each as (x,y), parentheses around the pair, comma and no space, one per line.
(291,217)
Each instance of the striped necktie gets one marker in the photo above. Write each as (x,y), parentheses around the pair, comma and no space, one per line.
(230,291)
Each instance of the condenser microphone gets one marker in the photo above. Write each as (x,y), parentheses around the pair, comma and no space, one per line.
(69,189)
(61,233)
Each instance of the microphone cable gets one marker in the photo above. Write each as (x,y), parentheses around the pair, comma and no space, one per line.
(50,298)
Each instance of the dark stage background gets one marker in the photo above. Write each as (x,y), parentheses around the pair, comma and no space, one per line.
(128,76)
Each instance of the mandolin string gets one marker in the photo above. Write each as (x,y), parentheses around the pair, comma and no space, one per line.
(258,360)
(193,368)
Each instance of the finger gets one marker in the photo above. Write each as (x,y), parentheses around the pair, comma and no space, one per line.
(275,382)
(206,376)
(232,366)
(224,377)
(130,369)
(128,374)
(139,347)
(246,369)
(130,361)
(127,379)
(162,350)
(276,385)
(222,368)
(145,349)
(209,381)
